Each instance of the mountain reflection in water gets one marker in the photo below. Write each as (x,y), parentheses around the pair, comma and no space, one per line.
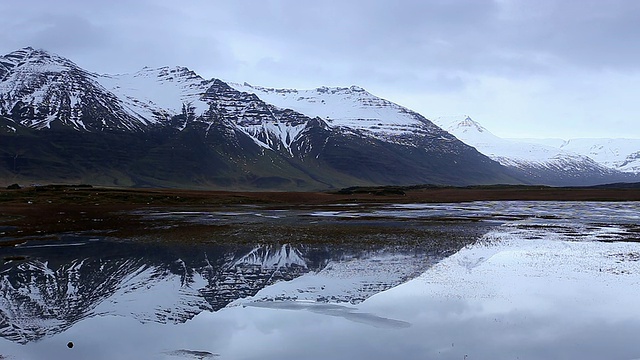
(59,284)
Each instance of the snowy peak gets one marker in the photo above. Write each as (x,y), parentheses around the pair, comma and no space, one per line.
(20,55)
(474,134)
(29,61)
(14,58)
(620,154)
(11,60)
(469,131)
(462,123)
(41,89)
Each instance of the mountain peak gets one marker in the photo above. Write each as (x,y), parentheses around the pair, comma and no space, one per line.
(165,72)
(14,58)
(39,88)
(469,123)
(460,124)
(35,60)
(26,53)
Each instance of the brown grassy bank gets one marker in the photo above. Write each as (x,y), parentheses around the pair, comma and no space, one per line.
(48,210)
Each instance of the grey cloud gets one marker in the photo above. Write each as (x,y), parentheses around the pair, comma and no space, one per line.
(118,36)
(588,33)
(503,38)
(443,48)
(507,37)
(383,32)
(65,33)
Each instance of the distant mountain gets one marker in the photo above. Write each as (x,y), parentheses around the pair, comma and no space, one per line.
(543,163)
(169,127)
(618,154)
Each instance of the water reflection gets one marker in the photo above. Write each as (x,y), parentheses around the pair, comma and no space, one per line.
(57,286)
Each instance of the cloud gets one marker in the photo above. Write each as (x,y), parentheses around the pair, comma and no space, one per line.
(503,38)
(449,54)
(589,33)
(68,33)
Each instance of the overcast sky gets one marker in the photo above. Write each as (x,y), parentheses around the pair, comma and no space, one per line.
(522,68)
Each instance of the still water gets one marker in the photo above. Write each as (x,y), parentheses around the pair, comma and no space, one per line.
(485,280)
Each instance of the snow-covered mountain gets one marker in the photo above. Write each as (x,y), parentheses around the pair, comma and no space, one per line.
(170,127)
(539,161)
(618,154)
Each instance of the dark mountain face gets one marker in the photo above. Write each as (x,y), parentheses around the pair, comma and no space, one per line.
(220,156)
(60,123)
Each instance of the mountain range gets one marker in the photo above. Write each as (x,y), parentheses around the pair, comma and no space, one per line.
(169,127)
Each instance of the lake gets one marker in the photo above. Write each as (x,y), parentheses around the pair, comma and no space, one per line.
(478,280)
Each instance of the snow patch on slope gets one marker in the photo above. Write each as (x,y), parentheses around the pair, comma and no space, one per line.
(285,134)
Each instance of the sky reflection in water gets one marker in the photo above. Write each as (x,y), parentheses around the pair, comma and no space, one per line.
(439,330)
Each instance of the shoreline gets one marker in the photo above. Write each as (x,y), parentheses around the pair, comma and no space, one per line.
(88,195)
(48,211)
